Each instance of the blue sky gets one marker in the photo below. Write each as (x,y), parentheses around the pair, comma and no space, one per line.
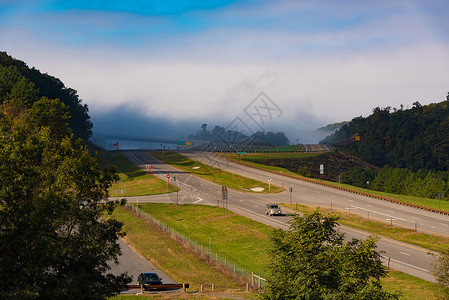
(197,62)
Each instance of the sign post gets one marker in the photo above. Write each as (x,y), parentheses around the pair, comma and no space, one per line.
(290,189)
(177,190)
(224,192)
(168,179)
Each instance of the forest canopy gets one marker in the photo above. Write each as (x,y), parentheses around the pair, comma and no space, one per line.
(416,138)
(18,82)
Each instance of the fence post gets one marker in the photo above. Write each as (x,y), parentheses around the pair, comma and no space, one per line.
(252,278)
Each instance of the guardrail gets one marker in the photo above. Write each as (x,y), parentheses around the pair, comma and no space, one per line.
(168,286)
(315,181)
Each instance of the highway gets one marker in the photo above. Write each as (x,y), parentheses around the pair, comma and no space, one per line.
(400,256)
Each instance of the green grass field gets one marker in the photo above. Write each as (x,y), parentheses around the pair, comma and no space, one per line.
(242,239)
(135,181)
(254,157)
(354,220)
(218,176)
(175,260)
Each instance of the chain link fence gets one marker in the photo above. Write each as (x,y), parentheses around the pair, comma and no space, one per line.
(204,251)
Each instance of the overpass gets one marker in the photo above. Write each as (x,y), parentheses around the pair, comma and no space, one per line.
(104,139)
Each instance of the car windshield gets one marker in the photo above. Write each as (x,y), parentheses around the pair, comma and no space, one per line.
(151,277)
(274,206)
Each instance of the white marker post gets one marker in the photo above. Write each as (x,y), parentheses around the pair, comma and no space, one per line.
(269,184)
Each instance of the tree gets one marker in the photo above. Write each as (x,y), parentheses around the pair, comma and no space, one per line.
(440,269)
(311,261)
(53,243)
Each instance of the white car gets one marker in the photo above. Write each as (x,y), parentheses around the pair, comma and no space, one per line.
(273,209)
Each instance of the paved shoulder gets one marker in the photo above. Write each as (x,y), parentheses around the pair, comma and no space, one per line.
(134,263)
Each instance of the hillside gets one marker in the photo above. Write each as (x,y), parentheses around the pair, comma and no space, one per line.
(20,82)
(335,164)
(416,138)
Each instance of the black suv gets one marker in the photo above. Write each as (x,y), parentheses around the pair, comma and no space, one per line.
(149,279)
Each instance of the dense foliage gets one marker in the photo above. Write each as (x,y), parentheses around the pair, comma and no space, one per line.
(416,138)
(221,135)
(53,243)
(440,269)
(311,260)
(423,183)
(19,82)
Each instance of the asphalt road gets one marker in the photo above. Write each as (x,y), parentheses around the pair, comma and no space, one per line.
(400,256)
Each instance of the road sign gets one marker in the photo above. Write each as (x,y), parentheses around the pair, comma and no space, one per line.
(269,179)
(168,179)
(321,169)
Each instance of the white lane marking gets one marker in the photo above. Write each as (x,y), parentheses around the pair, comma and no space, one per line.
(443,224)
(256,206)
(198,200)
(391,211)
(415,218)
(379,213)
(369,205)
(408,254)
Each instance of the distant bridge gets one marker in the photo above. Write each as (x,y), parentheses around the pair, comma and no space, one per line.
(101,139)
(104,140)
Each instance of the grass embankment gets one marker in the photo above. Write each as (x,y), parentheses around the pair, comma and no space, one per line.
(175,260)
(354,220)
(201,222)
(216,175)
(135,181)
(252,158)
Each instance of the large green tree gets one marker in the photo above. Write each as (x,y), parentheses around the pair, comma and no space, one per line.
(311,260)
(20,82)
(440,269)
(53,242)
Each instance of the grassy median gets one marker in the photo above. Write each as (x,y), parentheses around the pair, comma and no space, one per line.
(236,235)
(355,220)
(216,175)
(134,181)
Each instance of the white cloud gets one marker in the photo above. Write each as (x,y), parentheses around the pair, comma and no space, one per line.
(316,75)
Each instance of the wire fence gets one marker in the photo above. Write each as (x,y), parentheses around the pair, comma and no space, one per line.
(202,250)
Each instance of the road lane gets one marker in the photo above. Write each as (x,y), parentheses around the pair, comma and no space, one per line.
(314,194)
(198,190)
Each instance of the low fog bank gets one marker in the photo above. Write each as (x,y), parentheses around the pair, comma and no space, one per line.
(130,122)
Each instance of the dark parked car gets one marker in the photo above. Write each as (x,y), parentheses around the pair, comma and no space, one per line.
(149,279)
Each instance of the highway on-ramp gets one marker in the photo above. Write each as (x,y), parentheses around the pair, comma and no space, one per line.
(400,256)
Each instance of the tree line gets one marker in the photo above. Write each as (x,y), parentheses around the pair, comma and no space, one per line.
(18,82)
(53,242)
(416,138)
(221,134)
(423,183)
